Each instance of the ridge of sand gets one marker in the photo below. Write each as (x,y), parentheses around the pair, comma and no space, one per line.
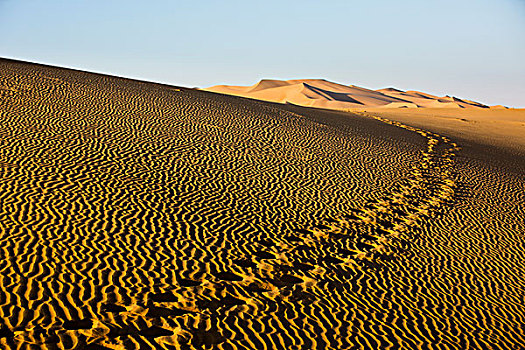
(325,94)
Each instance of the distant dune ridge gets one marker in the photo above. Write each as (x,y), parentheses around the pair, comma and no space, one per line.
(325,94)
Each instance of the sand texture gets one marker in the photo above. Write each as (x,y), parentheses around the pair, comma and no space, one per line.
(136,215)
(325,94)
(502,128)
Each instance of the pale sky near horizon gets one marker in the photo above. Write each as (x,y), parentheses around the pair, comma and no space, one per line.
(472,49)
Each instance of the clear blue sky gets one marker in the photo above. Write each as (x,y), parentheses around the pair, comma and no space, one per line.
(467,48)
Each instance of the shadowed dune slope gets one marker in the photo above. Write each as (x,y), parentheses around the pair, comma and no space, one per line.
(325,94)
(136,215)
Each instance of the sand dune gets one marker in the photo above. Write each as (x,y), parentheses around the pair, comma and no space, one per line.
(324,94)
(136,215)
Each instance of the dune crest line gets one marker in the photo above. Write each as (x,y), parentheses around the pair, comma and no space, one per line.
(321,93)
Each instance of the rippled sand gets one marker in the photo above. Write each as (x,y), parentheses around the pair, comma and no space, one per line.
(136,215)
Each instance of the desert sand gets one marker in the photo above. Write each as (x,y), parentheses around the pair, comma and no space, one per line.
(473,121)
(136,215)
(325,94)
(502,128)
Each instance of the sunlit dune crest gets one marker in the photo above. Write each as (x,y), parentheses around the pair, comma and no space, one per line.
(325,94)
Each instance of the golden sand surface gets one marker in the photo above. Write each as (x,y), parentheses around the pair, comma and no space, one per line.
(136,215)
(504,128)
